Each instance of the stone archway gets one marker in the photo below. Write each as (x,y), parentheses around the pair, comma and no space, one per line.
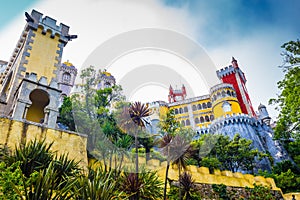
(40,99)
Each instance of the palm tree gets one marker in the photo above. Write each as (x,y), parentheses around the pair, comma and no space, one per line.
(44,175)
(149,186)
(186,184)
(138,112)
(34,156)
(123,143)
(180,152)
(164,143)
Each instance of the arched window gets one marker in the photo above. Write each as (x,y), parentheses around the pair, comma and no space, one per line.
(208,104)
(228,93)
(233,94)
(201,119)
(218,95)
(194,107)
(226,106)
(107,85)
(204,106)
(206,118)
(185,109)
(39,99)
(187,122)
(199,107)
(176,111)
(196,120)
(180,110)
(182,123)
(212,117)
(214,98)
(66,77)
(223,93)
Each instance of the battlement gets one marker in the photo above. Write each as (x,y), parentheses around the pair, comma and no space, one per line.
(32,77)
(189,100)
(225,71)
(36,18)
(234,118)
(221,86)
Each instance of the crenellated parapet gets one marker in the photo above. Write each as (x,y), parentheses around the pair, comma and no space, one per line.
(190,100)
(234,118)
(225,72)
(37,100)
(48,24)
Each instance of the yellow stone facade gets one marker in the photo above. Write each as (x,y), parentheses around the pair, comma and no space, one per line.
(43,54)
(13,133)
(199,112)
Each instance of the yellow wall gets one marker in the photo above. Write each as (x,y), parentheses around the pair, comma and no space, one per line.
(13,132)
(202,175)
(218,110)
(197,113)
(42,56)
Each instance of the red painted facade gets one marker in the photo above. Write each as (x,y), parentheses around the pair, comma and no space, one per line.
(240,89)
(176,95)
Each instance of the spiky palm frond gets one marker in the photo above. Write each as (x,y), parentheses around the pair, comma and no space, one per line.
(138,111)
(187,184)
(99,184)
(43,184)
(180,152)
(36,155)
(149,185)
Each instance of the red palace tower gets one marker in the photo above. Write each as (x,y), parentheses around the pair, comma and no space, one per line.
(235,76)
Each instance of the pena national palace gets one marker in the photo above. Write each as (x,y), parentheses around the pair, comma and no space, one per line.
(35,80)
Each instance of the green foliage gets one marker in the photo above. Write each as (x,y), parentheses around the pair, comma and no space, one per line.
(44,184)
(188,187)
(284,166)
(259,192)
(211,163)
(149,185)
(10,177)
(287,181)
(33,156)
(169,124)
(293,149)
(66,114)
(288,101)
(174,191)
(99,184)
(221,190)
(218,151)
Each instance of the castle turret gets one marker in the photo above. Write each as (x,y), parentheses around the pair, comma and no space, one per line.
(29,87)
(263,114)
(177,94)
(66,78)
(224,100)
(106,80)
(235,76)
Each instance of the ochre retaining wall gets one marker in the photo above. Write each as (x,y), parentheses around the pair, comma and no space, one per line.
(12,133)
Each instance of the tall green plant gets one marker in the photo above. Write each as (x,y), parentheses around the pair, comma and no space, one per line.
(33,156)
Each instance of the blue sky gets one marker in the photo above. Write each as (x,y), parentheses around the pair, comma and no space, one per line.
(250,30)
(11,9)
(242,17)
